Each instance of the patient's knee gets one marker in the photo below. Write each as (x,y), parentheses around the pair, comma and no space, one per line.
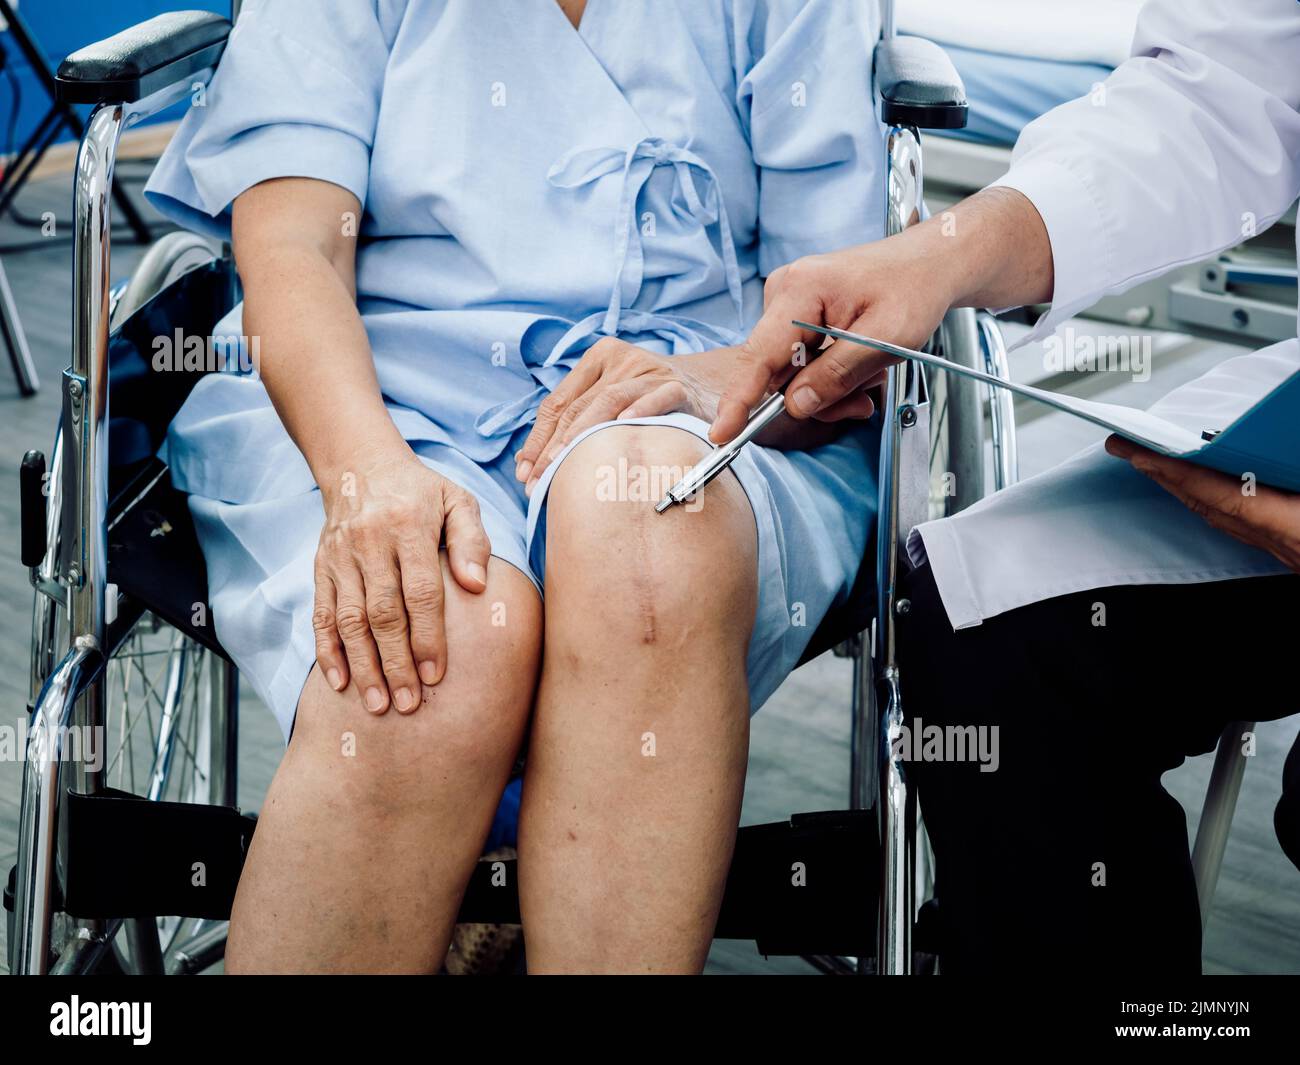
(468,727)
(643,576)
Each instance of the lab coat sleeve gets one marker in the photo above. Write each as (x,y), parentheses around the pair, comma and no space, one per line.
(296,94)
(1189,147)
(805,99)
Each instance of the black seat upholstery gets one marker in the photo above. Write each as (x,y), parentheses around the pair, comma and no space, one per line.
(918,85)
(134,64)
(155,560)
(153,553)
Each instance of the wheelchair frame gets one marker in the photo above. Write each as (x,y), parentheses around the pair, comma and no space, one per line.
(72,572)
(69,697)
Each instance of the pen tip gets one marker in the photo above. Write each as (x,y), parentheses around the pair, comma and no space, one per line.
(663,504)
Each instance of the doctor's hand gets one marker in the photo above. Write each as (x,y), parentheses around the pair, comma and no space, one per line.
(378,616)
(1269,519)
(878,289)
(991,250)
(616,380)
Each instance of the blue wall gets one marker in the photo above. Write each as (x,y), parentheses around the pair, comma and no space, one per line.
(63,26)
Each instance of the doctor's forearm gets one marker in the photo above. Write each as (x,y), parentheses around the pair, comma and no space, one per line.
(989,250)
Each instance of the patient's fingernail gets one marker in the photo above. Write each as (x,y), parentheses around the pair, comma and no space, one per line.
(805,400)
(335,679)
(429,673)
(404,699)
(477,572)
(374,700)
(523,470)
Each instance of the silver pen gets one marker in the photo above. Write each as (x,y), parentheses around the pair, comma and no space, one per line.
(723,455)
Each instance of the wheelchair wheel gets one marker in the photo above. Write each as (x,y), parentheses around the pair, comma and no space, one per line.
(166,260)
(169,705)
(167,701)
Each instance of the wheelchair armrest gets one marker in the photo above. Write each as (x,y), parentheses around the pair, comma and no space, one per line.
(918,85)
(146,59)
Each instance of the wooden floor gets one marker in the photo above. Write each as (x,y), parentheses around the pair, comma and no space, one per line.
(799,758)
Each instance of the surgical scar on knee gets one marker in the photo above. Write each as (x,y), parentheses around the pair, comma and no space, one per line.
(642,579)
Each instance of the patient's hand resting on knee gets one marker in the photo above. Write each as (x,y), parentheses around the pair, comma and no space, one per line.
(379,582)
(379,579)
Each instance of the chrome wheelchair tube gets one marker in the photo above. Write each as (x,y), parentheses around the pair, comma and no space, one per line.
(85,410)
(864,753)
(894,926)
(904,179)
(888,25)
(1217,811)
(84,949)
(902,208)
(833,965)
(903,184)
(203,948)
(960,343)
(164,744)
(85,384)
(1002,409)
(903,190)
(83,545)
(37,819)
(224,734)
(898,837)
(146,950)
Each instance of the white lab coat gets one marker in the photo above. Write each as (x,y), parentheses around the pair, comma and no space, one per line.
(1193,141)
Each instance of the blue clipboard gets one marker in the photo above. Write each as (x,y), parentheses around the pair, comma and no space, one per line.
(1263,442)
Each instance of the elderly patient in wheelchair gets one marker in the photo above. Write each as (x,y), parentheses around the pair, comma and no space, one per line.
(492,268)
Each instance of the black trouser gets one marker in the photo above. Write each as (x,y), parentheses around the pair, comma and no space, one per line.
(1071,852)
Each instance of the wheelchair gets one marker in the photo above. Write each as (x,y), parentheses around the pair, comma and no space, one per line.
(128,862)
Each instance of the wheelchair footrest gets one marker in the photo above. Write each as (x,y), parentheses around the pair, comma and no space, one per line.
(804,886)
(129,857)
(808,885)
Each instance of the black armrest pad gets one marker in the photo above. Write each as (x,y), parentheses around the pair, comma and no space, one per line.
(135,63)
(918,84)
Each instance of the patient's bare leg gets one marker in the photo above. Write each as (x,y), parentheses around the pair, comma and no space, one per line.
(373,824)
(636,763)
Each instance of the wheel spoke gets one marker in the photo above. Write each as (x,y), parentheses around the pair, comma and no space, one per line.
(178,758)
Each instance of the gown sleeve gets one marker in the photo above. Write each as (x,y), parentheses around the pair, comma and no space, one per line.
(296,94)
(805,99)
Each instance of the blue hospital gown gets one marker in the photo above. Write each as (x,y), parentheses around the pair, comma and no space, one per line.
(528,188)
